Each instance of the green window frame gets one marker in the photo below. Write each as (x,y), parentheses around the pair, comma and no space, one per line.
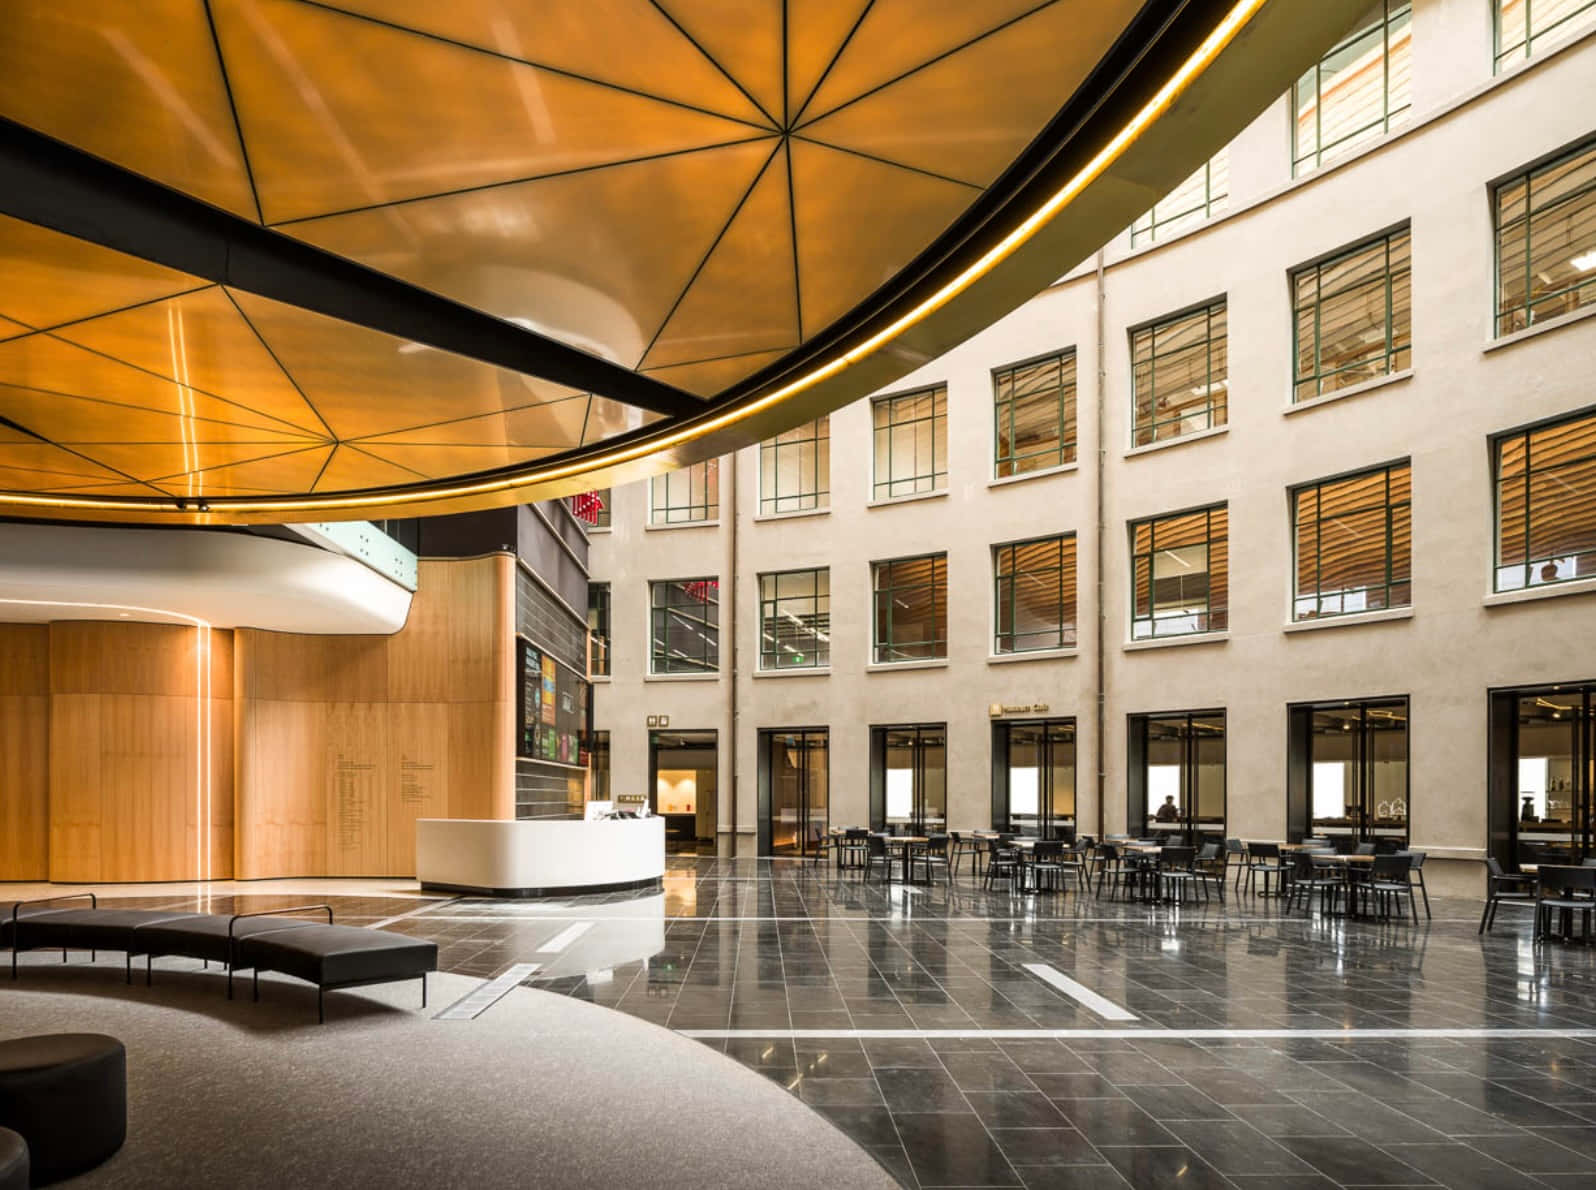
(1180,369)
(1338,301)
(1546,239)
(1196,200)
(795,619)
(1363,83)
(795,469)
(910,443)
(598,629)
(1180,573)
(1522,27)
(684,626)
(687,496)
(910,621)
(1034,594)
(1034,414)
(1353,543)
(1545,481)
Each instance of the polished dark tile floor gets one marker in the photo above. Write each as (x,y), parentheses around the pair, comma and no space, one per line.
(1266,1050)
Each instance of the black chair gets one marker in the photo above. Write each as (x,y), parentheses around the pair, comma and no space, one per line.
(965,845)
(1210,868)
(1312,873)
(1388,882)
(1047,865)
(819,845)
(876,849)
(1364,849)
(1108,868)
(1002,863)
(1416,874)
(854,850)
(1263,859)
(1235,849)
(1076,859)
(1174,876)
(1504,888)
(931,855)
(1567,890)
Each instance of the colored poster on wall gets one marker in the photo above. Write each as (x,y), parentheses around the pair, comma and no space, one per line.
(549,677)
(531,698)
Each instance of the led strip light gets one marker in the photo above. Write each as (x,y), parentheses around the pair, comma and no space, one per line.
(1212,45)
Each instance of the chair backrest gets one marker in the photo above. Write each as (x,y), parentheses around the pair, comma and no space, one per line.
(1048,849)
(1390,867)
(1264,850)
(1176,857)
(877,845)
(1208,851)
(1364,849)
(1234,847)
(1108,851)
(1302,864)
(1493,866)
(1561,878)
(937,844)
(856,833)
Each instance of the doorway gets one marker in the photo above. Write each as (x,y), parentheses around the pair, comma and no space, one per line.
(1177,776)
(1543,744)
(909,777)
(683,788)
(1033,777)
(794,789)
(1347,772)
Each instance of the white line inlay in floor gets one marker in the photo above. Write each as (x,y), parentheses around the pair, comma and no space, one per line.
(1143,1034)
(1056,979)
(565,937)
(474,1003)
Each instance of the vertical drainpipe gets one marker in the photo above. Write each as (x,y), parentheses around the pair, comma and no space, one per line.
(730,604)
(1099,434)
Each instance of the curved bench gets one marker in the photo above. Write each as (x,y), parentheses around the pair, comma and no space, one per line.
(330,956)
(13,1161)
(65,1094)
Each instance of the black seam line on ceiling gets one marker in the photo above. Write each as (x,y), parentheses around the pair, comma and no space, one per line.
(715,359)
(703,260)
(1153,44)
(57,186)
(232,108)
(360,450)
(587,416)
(522,181)
(913,169)
(930,62)
(325,463)
(559,70)
(798,115)
(71,322)
(80,455)
(329,447)
(301,435)
(449,421)
(715,62)
(281,367)
(792,231)
(162,377)
(785,4)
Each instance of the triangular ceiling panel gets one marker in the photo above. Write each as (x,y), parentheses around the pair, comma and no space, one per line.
(610,419)
(555,423)
(51,466)
(744,38)
(157,460)
(10,329)
(816,30)
(927,121)
(294,471)
(859,222)
(47,278)
(45,362)
(708,377)
(146,94)
(76,420)
(897,36)
(351,470)
(112,489)
(745,296)
(323,138)
(436,462)
(201,340)
(653,58)
(594,259)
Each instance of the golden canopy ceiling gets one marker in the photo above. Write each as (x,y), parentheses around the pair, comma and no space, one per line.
(688,205)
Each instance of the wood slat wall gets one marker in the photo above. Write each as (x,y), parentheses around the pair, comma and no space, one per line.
(24,751)
(346,741)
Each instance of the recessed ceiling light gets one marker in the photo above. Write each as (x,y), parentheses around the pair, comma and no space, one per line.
(1585,261)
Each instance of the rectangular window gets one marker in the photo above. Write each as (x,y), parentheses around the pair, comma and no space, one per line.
(1180,568)
(1180,367)
(911,609)
(1357,92)
(795,619)
(593,507)
(1354,543)
(688,496)
(795,469)
(598,628)
(911,443)
(684,626)
(1546,504)
(1035,594)
(1194,201)
(1525,28)
(1034,411)
(1546,240)
(1353,316)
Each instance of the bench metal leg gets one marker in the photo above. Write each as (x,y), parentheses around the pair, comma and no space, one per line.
(130,967)
(149,972)
(423,989)
(321,1006)
(255,976)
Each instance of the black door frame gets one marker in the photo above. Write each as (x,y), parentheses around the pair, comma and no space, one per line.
(878,772)
(1136,773)
(767,739)
(653,770)
(1001,729)
(1502,794)
(1299,766)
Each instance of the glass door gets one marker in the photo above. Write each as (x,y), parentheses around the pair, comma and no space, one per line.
(1178,780)
(912,776)
(1357,771)
(1037,768)
(1553,760)
(799,769)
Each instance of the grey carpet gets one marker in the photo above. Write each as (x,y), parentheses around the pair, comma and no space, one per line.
(541,1090)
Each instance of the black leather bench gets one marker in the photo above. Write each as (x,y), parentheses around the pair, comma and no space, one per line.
(330,956)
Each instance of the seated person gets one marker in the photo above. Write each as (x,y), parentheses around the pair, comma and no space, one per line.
(1168,812)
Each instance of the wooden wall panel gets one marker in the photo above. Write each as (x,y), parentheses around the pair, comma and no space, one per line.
(75,804)
(280,824)
(24,751)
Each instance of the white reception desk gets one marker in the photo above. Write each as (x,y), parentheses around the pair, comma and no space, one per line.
(555,857)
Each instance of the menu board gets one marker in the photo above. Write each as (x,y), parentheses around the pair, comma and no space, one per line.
(553,711)
(531,699)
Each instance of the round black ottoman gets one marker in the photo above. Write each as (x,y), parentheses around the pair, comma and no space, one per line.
(66,1094)
(13,1161)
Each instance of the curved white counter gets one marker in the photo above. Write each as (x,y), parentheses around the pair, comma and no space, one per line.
(539,858)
